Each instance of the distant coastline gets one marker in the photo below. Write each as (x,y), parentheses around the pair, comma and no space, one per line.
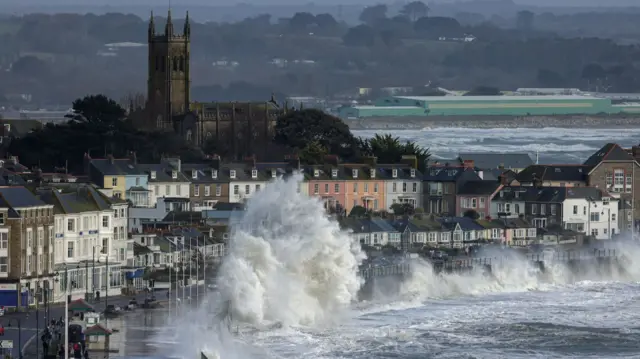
(399,123)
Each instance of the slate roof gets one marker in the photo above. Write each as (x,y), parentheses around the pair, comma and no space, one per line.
(205,173)
(480,188)
(609,152)
(572,173)
(82,199)
(20,197)
(139,249)
(497,160)
(345,172)
(439,173)
(163,173)
(116,167)
(547,194)
(494,175)
(466,224)
(10,178)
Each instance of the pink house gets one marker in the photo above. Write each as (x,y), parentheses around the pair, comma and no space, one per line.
(476,195)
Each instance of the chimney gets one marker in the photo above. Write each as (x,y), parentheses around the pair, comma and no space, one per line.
(293,160)
(215,162)
(501,166)
(332,160)
(86,162)
(468,164)
(370,160)
(250,161)
(111,159)
(410,160)
(133,157)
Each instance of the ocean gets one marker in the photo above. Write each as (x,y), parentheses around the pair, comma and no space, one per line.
(288,287)
(553,145)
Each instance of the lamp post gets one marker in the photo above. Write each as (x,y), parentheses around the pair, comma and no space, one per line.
(19,323)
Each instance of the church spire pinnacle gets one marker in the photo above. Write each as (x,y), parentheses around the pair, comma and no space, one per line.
(187,26)
(152,27)
(168,29)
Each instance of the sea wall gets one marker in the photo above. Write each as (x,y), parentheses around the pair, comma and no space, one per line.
(410,122)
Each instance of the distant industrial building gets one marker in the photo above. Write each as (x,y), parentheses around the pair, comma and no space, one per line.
(421,106)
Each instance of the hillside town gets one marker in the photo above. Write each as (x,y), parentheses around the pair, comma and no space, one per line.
(119,222)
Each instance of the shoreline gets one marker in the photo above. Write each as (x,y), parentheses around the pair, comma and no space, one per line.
(488,122)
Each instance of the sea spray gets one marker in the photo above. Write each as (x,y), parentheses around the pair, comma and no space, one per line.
(287,262)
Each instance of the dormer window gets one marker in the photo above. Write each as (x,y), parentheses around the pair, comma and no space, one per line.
(254,174)
(394,173)
(334,173)
(373,173)
(214,173)
(194,174)
(153,174)
(273,173)
(413,173)
(316,173)
(355,173)
(232,174)
(174,174)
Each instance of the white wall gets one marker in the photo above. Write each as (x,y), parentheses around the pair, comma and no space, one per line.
(87,232)
(168,189)
(605,222)
(120,230)
(516,208)
(242,187)
(392,196)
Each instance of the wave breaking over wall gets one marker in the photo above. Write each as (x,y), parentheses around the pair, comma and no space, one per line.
(287,263)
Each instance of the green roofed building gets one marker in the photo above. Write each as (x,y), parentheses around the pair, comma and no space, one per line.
(399,106)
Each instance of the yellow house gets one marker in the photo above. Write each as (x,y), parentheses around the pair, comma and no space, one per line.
(122,177)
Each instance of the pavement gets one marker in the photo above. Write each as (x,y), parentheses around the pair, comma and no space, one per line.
(31,344)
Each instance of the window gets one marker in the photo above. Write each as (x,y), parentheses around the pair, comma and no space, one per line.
(543,209)
(404,187)
(534,209)
(178,190)
(123,213)
(40,237)
(257,187)
(232,174)
(254,173)
(466,203)
(4,265)
(218,191)
(628,183)
(236,189)
(553,209)
(105,221)
(355,188)
(474,203)
(247,189)
(618,177)
(196,190)
(105,246)
(594,232)
(375,188)
(69,249)
(575,209)
(395,187)
(366,188)
(500,207)
(114,181)
(167,190)
(482,202)
(316,188)
(71,225)
(207,191)
(517,208)
(613,216)
(609,179)
(137,181)
(415,187)
(507,207)
(326,188)
(337,188)
(595,217)
(1,219)
(375,204)
(4,240)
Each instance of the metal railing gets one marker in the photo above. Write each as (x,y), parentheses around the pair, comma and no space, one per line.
(461,263)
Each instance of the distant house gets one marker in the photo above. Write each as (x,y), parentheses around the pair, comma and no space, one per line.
(476,196)
(441,184)
(554,176)
(490,161)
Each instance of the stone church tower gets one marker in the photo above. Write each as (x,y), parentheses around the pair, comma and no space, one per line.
(169,79)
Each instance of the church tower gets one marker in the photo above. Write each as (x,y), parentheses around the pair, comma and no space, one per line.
(169,80)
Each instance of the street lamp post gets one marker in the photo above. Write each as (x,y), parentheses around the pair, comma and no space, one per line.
(19,323)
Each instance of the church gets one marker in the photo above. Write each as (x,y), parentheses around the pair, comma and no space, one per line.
(239,129)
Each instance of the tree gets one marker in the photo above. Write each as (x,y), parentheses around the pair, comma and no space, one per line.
(371,14)
(389,149)
(326,21)
(298,129)
(362,35)
(358,211)
(471,214)
(31,66)
(302,21)
(313,153)
(415,10)
(97,109)
(402,209)
(524,20)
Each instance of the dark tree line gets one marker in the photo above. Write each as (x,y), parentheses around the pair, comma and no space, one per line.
(99,126)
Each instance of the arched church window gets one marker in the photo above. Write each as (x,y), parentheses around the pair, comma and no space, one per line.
(181,64)
(175,64)
(188,135)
